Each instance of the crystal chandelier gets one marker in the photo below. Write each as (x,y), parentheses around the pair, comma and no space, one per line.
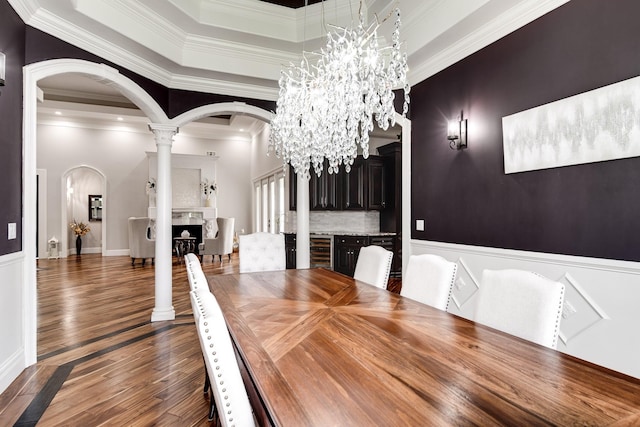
(326,107)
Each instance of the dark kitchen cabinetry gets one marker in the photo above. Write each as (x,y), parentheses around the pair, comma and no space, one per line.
(363,188)
(376,179)
(323,190)
(353,186)
(391,214)
(290,249)
(345,252)
(293,189)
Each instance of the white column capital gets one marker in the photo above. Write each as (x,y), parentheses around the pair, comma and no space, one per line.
(163,133)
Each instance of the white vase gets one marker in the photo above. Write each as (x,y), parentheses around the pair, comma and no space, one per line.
(208,202)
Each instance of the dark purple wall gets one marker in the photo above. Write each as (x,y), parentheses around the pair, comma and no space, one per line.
(465,197)
(12,45)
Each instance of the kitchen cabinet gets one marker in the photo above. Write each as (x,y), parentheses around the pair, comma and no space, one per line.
(293,189)
(353,186)
(363,188)
(323,190)
(391,214)
(290,250)
(345,252)
(375,185)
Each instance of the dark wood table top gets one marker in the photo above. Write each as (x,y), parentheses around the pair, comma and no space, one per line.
(323,349)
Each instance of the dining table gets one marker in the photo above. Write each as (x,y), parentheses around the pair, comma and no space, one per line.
(318,348)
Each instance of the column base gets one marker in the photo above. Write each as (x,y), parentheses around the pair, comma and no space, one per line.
(158,315)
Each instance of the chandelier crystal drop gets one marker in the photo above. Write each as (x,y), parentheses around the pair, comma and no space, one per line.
(326,107)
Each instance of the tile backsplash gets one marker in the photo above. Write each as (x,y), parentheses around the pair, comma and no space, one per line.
(337,221)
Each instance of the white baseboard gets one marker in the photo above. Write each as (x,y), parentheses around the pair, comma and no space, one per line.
(11,368)
(117,252)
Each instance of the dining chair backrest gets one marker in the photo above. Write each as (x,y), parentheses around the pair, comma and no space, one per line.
(227,389)
(197,279)
(373,266)
(262,252)
(192,261)
(521,303)
(429,279)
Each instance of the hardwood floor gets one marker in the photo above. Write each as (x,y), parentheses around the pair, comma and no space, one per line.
(100,359)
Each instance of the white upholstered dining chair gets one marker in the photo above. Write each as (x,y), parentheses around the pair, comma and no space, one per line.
(521,303)
(228,400)
(262,252)
(429,279)
(222,244)
(373,266)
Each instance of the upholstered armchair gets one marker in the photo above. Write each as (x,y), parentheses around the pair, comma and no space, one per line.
(140,245)
(223,242)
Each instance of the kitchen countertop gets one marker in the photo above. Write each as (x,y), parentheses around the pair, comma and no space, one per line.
(348,233)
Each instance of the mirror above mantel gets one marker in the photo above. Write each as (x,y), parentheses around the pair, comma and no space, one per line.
(188,171)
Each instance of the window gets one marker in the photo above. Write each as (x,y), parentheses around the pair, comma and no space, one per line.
(269,203)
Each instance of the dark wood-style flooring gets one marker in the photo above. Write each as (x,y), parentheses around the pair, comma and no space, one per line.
(100,359)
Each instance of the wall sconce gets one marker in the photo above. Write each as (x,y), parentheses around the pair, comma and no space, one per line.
(2,68)
(457,133)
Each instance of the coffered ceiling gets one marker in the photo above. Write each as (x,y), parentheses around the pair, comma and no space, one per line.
(238,47)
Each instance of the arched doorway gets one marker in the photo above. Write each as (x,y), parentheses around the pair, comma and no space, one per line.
(110,76)
(81,188)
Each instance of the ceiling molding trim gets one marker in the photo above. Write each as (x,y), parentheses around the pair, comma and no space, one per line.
(500,26)
(77,36)
(25,8)
(138,23)
(237,58)
(222,87)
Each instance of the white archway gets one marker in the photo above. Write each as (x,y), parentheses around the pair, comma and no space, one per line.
(32,74)
(109,76)
(222,108)
(65,220)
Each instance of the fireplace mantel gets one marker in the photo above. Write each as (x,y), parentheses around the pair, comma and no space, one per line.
(208,223)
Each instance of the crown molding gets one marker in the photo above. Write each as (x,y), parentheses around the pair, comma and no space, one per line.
(224,87)
(503,24)
(77,36)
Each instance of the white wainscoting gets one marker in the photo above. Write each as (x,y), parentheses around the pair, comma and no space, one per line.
(601,318)
(12,319)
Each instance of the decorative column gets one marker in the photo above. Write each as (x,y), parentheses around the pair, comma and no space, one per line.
(303,256)
(163,309)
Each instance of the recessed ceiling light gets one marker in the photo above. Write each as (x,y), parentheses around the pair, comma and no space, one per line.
(120,119)
(58,113)
(241,129)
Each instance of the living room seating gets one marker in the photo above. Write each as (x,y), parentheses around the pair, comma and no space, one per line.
(140,245)
(222,244)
